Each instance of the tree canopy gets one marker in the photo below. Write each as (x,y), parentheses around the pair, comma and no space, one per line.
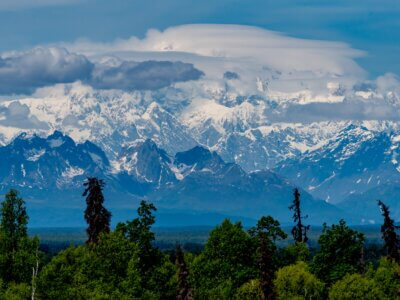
(339,254)
(235,263)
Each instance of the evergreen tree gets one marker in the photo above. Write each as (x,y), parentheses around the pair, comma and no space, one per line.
(389,235)
(184,290)
(267,231)
(299,231)
(96,215)
(266,270)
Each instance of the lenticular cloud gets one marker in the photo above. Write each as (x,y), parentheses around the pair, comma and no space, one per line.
(240,43)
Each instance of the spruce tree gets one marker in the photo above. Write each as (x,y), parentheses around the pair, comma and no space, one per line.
(267,231)
(184,290)
(267,269)
(299,231)
(96,215)
(389,235)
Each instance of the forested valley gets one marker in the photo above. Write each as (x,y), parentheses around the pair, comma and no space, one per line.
(235,263)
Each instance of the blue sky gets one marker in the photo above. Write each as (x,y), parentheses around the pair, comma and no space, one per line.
(372,26)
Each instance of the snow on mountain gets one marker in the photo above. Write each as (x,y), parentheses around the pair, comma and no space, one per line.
(146,163)
(50,172)
(55,162)
(331,157)
(356,160)
(207,183)
(176,118)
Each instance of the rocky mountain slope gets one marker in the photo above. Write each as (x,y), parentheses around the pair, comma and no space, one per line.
(50,171)
(333,158)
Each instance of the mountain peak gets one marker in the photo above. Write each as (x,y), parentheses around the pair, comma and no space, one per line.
(58,139)
(195,155)
(56,134)
(146,162)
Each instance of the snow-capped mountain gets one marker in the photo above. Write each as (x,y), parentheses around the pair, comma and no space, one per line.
(332,158)
(354,169)
(50,172)
(356,159)
(207,181)
(55,162)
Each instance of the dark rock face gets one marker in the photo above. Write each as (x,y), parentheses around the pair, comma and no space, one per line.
(55,162)
(53,169)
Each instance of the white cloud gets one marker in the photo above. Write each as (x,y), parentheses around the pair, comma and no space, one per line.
(300,80)
(23,72)
(388,82)
(287,63)
(19,116)
(268,48)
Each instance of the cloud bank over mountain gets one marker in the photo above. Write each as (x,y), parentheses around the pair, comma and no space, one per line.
(147,75)
(18,115)
(298,80)
(24,72)
(250,52)
(242,43)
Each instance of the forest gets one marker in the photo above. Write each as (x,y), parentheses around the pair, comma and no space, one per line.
(235,262)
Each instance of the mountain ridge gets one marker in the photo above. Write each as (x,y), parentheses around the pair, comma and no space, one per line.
(196,181)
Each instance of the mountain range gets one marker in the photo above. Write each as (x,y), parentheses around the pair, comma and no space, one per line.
(50,172)
(203,147)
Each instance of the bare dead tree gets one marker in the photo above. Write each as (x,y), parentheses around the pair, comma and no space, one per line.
(35,271)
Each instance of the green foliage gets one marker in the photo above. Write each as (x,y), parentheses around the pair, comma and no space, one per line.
(161,283)
(294,253)
(267,231)
(235,264)
(64,277)
(387,276)
(249,291)
(296,282)
(152,266)
(184,290)
(20,291)
(109,269)
(17,250)
(227,262)
(14,218)
(96,215)
(299,231)
(354,287)
(139,231)
(339,254)
(389,235)
(269,228)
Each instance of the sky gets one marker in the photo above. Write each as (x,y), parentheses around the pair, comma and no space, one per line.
(339,59)
(369,25)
